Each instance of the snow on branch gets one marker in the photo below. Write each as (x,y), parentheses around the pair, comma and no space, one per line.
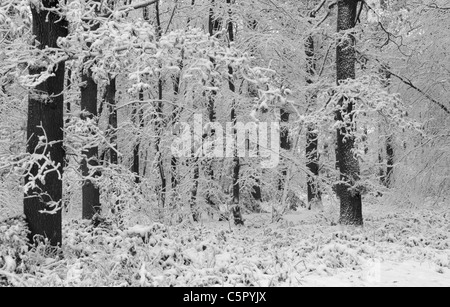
(124,8)
(409,83)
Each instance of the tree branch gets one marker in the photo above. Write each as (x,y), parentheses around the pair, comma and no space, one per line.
(315,10)
(410,84)
(407,82)
(125,8)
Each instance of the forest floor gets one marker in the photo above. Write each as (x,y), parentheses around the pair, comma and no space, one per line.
(396,247)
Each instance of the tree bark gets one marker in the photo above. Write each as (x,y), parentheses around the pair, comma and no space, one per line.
(390,160)
(389,140)
(237,215)
(193,202)
(285,144)
(88,104)
(312,142)
(137,116)
(110,96)
(348,165)
(213,27)
(175,113)
(46,109)
(253,92)
(159,118)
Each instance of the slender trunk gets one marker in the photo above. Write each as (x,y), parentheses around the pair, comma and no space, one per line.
(175,113)
(110,96)
(138,120)
(390,160)
(348,165)
(69,87)
(381,171)
(253,92)
(159,117)
(189,18)
(213,27)
(194,209)
(284,144)
(46,109)
(173,168)
(238,220)
(312,156)
(312,142)
(158,127)
(67,114)
(389,141)
(88,104)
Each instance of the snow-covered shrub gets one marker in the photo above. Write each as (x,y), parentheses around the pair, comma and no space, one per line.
(339,256)
(13,248)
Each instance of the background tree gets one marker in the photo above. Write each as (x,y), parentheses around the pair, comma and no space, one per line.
(167,72)
(88,106)
(45,130)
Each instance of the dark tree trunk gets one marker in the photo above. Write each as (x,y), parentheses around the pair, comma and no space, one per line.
(214,23)
(348,165)
(312,157)
(159,118)
(175,113)
(389,141)
(390,160)
(110,95)
(253,92)
(69,87)
(158,128)
(173,168)
(381,171)
(136,165)
(67,114)
(139,121)
(189,18)
(88,104)
(285,144)
(194,209)
(312,142)
(237,214)
(138,118)
(46,109)
(213,27)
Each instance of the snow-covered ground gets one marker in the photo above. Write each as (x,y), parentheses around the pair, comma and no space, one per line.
(396,247)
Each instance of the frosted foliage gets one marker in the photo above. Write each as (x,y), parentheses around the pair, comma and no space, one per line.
(170,220)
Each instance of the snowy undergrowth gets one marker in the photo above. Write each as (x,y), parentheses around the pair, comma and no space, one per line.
(299,250)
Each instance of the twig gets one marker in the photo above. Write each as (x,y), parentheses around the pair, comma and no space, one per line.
(125,8)
(171,16)
(408,82)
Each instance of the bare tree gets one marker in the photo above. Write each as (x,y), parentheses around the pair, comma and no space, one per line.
(45,115)
(237,214)
(312,142)
(88,104)
(348,165)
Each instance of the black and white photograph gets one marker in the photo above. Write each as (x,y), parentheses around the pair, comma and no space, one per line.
(224,147)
